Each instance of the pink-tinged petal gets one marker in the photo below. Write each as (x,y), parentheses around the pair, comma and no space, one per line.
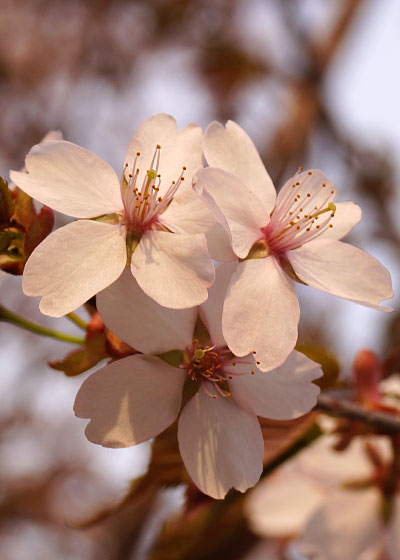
(188,214)
(140,321)
(70,179)
(174,270)
(68,267)
(178,148)
(261,312)
(308,186)
(221,444)
(330,468)
(130,400)
(392,536)
(239,211)
(282,394)
(345,526)
(211,310)
(347,215)
(342,270)
(230,148)
(281,505)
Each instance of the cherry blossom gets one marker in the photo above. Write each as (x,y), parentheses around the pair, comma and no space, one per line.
(277,239)
(120,223)
(331,502)
(216,395)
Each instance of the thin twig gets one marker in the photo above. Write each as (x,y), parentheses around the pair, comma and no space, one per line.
(14,319)
(353,411)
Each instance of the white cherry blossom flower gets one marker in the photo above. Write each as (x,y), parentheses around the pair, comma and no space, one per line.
(136,222)
(136,398)
(276,239)
(330,502)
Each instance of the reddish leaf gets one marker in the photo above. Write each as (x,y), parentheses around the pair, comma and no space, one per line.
(39,229)
(76,362)
(24,210)
(6,202)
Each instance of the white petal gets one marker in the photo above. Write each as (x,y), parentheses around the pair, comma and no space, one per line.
(393,531)
(331,468)
(347,215)
(130,400)
(211,310)
(239,211)
(342,270)
(282,394)
(70,179)
(345,526)
(221,444)
(178,148)
(261,312)
(281,505)
(188,213)
(231,149)
(140,321)
(309,187)
(175,270)
(68,267)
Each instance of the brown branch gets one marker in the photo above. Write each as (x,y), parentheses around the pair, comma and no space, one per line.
(381,420)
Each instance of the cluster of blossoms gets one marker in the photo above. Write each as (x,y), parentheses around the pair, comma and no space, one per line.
(215,345)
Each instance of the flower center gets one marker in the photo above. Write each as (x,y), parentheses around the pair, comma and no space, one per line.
(303,211)
(212,367)
(143,204)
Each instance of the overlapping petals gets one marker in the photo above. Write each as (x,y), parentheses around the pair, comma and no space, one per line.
(261,312)
(141,322)
(294,237)
(330,502)
(68,267)
(175,270)
(219,436)
(171,263)
(230,148)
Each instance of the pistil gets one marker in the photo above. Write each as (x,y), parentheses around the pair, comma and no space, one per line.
(143,205)
(212,366)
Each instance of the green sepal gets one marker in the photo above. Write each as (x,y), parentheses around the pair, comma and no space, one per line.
(173,358)
(259,250)
(201,332)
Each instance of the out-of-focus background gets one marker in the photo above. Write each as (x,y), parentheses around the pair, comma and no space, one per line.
(314,82)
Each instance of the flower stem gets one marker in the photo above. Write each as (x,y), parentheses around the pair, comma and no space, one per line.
(77,320)
(10,317)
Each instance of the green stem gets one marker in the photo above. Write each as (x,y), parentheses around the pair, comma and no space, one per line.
(10,317)
(77,320)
